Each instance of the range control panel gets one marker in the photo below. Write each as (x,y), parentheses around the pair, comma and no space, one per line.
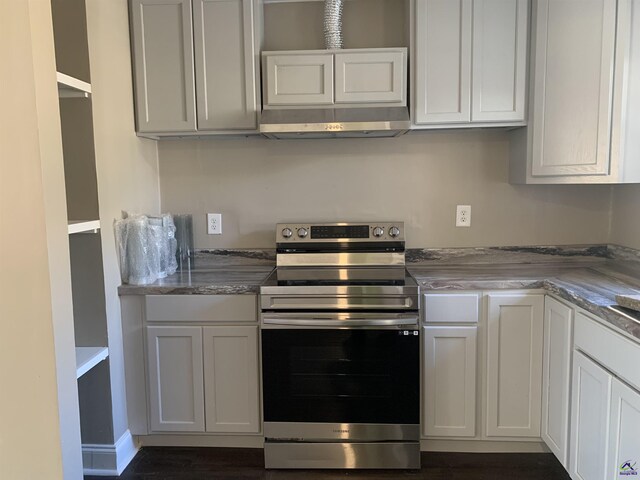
(340,232)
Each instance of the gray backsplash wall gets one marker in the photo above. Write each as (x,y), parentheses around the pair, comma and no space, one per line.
(625,219)
(418,178)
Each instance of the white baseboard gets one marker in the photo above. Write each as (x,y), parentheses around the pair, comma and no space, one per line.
(106,460)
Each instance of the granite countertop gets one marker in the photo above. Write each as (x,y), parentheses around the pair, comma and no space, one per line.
(589,277)
(591,287)
(223,280)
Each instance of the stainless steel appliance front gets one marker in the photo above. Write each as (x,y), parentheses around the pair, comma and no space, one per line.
(378,455)
(307,445)
(340,349)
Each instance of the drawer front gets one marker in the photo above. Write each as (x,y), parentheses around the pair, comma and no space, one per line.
(612,350)
(451,307)
(201,308)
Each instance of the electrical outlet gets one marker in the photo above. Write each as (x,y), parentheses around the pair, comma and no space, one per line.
(463,216)
(214,223)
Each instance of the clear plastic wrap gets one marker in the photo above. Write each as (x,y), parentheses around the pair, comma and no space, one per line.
(146,247)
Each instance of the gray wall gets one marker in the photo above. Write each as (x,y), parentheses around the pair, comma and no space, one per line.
(625,219)
(127,167)
(418,178)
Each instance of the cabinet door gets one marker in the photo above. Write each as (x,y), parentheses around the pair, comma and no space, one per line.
(163,65)
(591,395)
(499,60)
(231,379)
(556,377)
(176,398)
(370,77)
(624,441)
(514,365)
(573,87)
(301,79)
(225,64)
(443,61)
(450,381)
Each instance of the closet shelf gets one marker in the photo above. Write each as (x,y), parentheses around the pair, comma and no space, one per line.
(83,226)
(70,87)
(89,357)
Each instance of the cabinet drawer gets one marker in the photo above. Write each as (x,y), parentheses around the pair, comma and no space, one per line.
(201,308)
(451,307)
(371,77)
(617,353)
(300,79)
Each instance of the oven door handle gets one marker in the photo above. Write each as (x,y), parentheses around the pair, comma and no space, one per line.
(319,322)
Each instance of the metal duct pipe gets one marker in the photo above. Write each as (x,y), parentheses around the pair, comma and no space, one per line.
(333,24)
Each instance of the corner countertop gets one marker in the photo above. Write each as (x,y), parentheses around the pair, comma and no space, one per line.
(592,287)
(587,276)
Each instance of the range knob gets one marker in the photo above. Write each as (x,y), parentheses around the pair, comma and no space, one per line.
(302,232)
(286,232)
(394,232)
(378,232)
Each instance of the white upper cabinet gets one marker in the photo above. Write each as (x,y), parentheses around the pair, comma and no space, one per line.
(371,77)
(225,64)
(163,65)
(195,66)
(499,60)
(575,46)
(514,364)
(298,79)
(583,121)
(625,131)
(443,61)
(470,62)
(318,78)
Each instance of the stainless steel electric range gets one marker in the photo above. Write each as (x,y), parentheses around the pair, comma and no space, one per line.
(340,349)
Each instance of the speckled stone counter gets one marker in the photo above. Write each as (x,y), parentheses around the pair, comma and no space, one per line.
(587,276)
(213,272)
(230,280)
(592,287)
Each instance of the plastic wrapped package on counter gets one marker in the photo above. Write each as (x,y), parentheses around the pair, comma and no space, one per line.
(146,247)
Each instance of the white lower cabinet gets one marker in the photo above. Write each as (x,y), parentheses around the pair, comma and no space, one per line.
(176,397)
(624,441)
(591,394)
(514,364)
(203,379)
(450,381)
(556,377)
(232,401)
(605,407)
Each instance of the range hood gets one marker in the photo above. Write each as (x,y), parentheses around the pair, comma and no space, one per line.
(335,122)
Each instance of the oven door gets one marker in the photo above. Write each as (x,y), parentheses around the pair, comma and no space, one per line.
(340,370)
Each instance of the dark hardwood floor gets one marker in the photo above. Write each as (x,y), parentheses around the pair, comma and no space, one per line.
(177,463)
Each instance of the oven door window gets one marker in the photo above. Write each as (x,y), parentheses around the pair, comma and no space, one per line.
(341,376)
